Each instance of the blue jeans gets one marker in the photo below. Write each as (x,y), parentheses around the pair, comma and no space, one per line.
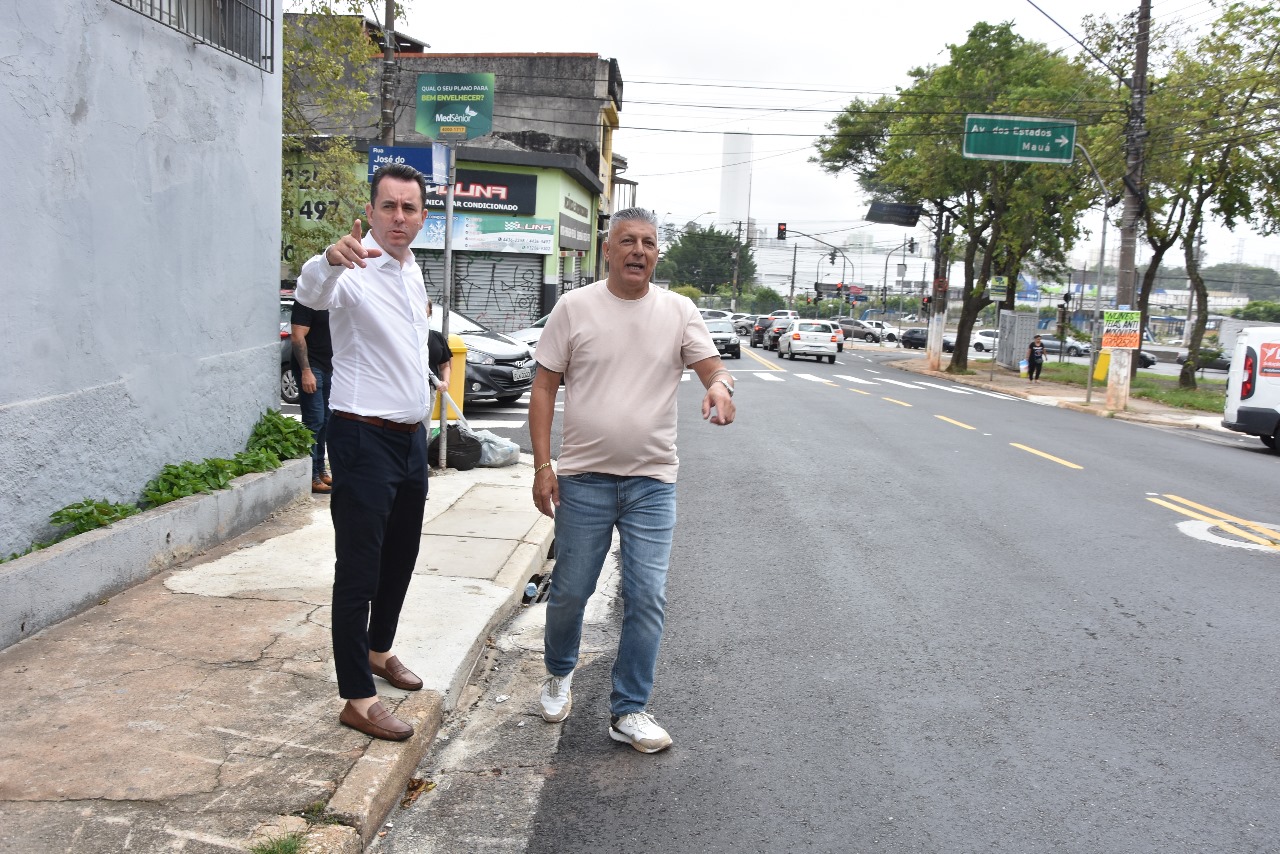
(316,414)
(644,512)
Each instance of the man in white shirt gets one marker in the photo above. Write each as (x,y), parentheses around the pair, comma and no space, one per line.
(374,292)
(621,347)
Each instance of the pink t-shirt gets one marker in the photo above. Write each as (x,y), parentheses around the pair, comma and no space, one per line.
(622,361)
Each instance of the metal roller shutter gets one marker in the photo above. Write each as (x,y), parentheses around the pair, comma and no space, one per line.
(497,289)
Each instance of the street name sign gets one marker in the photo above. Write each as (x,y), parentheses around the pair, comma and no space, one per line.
(891,213)
(1024,138)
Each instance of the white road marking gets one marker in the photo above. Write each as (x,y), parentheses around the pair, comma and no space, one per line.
(811,378)
(857,380)
(1204,531)
(949,388)
(898,382)
(770,377)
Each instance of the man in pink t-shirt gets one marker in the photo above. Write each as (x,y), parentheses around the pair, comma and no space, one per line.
(620,346)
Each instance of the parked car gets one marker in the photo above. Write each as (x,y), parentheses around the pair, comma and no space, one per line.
(288,382)
(530,334)
(948,343)
(498,367)
(1074,346)
(887,331)
(986,340)
(915,338)
(745,324)
(713,314)
(726,338)
(1212,360)
(1252,404)
(854,328)
(776,327)
(815,338)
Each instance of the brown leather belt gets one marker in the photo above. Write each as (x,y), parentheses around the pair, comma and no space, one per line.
(379,422)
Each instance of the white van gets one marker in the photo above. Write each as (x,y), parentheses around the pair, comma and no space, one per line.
(1253,385)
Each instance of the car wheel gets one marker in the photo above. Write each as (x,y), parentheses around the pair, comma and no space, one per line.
(869,338)
(1073,351)
(1270,441)
(978,346)
(831,360)
(779,352)
(737,354)
(288,386)
(891,337)
(791,356)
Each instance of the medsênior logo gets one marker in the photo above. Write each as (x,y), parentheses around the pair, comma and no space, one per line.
(455,106)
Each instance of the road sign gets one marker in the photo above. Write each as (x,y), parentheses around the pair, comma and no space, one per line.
(894,214)
(1024,138)
(999,288)
(431,160)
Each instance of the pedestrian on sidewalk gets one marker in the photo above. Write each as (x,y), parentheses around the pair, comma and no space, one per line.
(1035,359)
(374,292)
(313,366)
(620,346)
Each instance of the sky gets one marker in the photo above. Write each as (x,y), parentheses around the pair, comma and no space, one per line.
(696,69)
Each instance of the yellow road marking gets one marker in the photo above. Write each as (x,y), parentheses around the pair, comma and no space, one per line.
(957,423)
(860,391)
(1057,460)
(1261,529)
(899,402)
(770,365)
(1217,522)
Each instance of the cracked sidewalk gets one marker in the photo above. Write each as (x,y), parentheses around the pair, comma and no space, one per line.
(198,710)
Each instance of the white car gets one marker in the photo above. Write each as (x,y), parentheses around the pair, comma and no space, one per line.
(986,340)
(713,314)
(530,334)
(887,332)
(815,338)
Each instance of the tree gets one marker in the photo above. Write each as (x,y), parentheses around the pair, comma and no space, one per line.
(327,75)
(1267,312)
(703,257)
(908,149)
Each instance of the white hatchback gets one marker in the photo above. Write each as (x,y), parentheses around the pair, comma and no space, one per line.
(814,338)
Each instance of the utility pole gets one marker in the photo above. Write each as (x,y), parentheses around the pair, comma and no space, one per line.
(1135,140)
(792,299)
(737,250)
(388,122)
(938,304)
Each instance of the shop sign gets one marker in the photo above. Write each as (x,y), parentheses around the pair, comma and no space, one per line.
(489,234)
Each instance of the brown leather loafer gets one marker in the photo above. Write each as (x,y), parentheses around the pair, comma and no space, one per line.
(318,485)
(380,723)
(326,479)
(397,674)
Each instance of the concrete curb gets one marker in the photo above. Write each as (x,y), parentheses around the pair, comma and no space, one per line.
(377,781)
(50,585)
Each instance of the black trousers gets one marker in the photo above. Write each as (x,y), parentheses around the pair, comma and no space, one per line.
(379,488)
(1033,369)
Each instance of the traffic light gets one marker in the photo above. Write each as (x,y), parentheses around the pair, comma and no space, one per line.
(911,245)
(817,289)
(925,302)
(808,300)
(782,231)
(839,288)
(833,256)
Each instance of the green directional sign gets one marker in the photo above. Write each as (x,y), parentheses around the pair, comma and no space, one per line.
(1024,138)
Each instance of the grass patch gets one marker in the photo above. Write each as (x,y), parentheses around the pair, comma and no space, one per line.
(1209,395)
(288,844)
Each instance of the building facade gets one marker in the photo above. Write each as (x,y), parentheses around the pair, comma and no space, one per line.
(141,143)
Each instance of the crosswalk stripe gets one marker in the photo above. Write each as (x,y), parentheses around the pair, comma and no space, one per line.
(772,378)
(898,382)
(850,379)
(811,378)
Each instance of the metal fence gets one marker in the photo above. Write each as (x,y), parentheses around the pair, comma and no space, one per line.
(244,29)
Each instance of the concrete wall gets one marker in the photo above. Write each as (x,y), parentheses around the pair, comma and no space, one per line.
(141,190)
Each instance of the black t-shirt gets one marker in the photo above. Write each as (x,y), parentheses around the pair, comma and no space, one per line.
(319,344)
(437,351)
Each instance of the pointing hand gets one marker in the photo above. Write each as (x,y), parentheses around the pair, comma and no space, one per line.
(350,251)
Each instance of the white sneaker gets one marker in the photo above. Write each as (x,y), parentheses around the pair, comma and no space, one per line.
(641,731)
(556,698)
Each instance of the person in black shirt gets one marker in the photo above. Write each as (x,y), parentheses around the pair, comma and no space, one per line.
(440,355)
(1035,359)
(313,366)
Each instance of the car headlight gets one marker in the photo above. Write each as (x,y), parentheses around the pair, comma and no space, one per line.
(479,357)
(733,340)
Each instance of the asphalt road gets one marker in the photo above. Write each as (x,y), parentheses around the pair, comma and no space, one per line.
(905,615)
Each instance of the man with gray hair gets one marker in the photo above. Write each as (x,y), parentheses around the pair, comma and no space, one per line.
(620,346)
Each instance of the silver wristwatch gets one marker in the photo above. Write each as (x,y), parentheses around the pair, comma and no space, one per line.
(726,385)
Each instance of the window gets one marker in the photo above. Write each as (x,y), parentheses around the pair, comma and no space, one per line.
(243,28)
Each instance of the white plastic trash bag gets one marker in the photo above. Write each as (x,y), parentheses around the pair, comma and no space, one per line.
(496,451)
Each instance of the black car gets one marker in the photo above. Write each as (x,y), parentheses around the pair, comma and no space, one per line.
(915,338)
(777,325)
(498,367)
(1212,360)
(1146,360)
(758,330)
(725,338)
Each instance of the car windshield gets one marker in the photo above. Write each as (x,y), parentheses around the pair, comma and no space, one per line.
(719,326)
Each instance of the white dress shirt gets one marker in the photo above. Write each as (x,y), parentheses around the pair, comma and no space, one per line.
(378,322)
